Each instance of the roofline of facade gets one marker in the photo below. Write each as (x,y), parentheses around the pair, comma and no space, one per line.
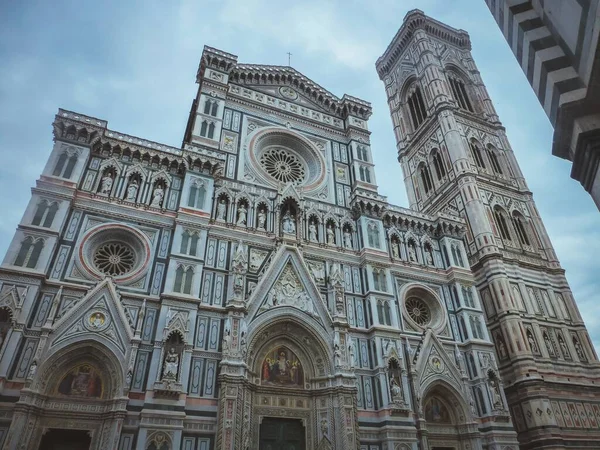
(257,73)
(414,20)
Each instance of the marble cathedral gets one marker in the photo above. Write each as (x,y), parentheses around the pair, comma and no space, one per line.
(253,290)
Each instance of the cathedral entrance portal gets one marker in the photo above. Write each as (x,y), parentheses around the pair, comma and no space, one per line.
(58,439)
(281,434)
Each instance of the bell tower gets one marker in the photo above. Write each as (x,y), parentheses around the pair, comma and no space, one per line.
(457,160)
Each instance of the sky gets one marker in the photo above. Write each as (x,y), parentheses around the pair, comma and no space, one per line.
(134,64)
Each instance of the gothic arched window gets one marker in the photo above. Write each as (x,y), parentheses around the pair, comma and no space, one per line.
(438,164)
(29,252)
(203,128)
(459,92)
(519,223)
(44,215)
(500,216)
(211,130)
(364,173)
(197,195)
(493,157)
(416,106)
(211,107)
(373,235)
(65,165)
(477,156)
(183,280)
(425,178)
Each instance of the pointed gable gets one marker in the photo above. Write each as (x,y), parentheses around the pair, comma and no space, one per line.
(99,316)
(287,283)
(433,363)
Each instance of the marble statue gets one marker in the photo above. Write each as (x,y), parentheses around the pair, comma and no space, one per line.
(262,219)
(221,207)
(171,365)
(157,196)
(395,391)
(347,239)
(312,232)
(395,252)
(289,225)
(106,184)
(132,191)
(242,214)
(330,235)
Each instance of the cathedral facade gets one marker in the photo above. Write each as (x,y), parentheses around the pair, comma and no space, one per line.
(253,290)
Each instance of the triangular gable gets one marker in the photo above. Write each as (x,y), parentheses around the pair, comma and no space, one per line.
(291,191)
(98,316)
(287,283)
(11,300)
(434,363)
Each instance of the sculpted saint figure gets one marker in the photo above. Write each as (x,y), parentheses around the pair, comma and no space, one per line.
(395,252)
(312,232)
(242,213)
(132,191)
(395,391)
(289,225)
(106,184)
(330,235)
(347,239)
(221,209)
(171,364)
(157,196)
(262,219)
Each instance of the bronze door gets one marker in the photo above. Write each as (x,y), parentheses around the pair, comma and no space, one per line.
(56,439)
(281,434)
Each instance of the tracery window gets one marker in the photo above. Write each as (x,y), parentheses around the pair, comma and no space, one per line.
(459,92)
(438,164)
(211,107)
(283,165)
(189,243)
(373,235)
(44,215)
(425,178)
(379,280)
(384,313)
(197,195)
(477,156)
(476,327)
(207,129)
(493,157)
(183,280)
(29,253)
(457,255)
(518,222)
(361,153)
(418,311)
(364,174)
(500,216)
(416,106)
(468,297)
(65,165)
(114,258)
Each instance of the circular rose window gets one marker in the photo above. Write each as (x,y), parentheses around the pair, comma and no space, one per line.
(418,311)
(115,250)
(422,308)
(283,165)
(114,258)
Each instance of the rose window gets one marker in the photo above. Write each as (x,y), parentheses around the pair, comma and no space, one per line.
(418,311)
(283,165)
(114,258)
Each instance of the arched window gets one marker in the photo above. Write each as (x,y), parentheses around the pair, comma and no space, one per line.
(373,235)
(384,313)
(44,215)
(480,401)
(364,173)
(461,321)
(379,280)
(29,253)
(203,128)
(183,280)
(477,156)
(207,105)
(493,157)
(425,178)
(211,130)
(185,242)
(519,223)
(416,106)
(361,153)
(459,92)
(468,296)
(197,195)
(214,109)
(438,164)
(65,165)
(500,217)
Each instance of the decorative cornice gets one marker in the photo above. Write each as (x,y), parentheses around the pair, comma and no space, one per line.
(415,20)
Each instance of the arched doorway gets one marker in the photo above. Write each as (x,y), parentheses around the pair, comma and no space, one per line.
(78,398)
(289,389)
(445,421)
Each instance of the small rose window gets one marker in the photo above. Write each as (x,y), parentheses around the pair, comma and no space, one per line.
(418,311)
(114,258)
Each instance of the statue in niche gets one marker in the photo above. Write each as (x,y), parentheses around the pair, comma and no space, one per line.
(395,391)
(579,350)
(262,219)
(330,235)
(337,356)
(347,239)
(563,347)
(282,368)
(428,256)
(501,347)
(312,231)
(532,344)
(32,370)
(132,191)
(352,353)
(157,196)
(171,365)
(395,252)
(289,223)
(412,252)
(242,214)
(497,402)
(106,184)
(548,345)
(221,208)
